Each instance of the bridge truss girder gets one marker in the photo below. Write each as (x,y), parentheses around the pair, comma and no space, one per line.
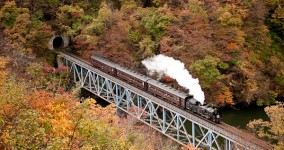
(148,111)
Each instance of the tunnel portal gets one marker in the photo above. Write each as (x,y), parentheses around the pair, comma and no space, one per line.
(58,42)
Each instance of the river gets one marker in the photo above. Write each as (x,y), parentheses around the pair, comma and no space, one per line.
(240,117)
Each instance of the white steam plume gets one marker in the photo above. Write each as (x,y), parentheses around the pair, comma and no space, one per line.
(176,70)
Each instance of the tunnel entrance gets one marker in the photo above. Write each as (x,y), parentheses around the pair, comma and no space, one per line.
(58,42)
(147,3)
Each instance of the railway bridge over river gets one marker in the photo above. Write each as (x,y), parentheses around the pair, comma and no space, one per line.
(175,123)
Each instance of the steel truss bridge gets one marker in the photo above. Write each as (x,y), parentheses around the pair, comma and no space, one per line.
(177,124)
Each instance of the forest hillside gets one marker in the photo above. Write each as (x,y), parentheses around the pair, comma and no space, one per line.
(234,47)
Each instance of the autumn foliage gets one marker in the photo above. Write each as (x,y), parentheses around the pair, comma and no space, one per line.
(41,119)
(272,129)
(234,48)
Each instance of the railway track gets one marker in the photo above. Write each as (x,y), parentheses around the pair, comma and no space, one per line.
(239,135)
(246,135)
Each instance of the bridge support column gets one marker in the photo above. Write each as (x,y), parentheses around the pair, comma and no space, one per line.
(129,99)
(109,90)
(210,140)
(81,76)
(151,110)
(178,127)
(139,102)
(164,120)
(193,134)
(117,97)
(89,80)
(74,71)
(228,144)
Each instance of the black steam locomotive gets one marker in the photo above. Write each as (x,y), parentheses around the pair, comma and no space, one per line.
(156,88)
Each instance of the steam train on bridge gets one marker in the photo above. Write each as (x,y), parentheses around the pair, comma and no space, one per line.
(156,88)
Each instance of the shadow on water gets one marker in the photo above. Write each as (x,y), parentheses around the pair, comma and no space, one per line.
(240,116)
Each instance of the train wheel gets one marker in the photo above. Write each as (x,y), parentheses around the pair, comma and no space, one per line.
(188,108)
(217,120)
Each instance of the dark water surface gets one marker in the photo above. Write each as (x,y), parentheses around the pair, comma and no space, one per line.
(240,117)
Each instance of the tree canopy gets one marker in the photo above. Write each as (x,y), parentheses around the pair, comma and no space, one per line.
(235,49)
(245,38)
(272,129)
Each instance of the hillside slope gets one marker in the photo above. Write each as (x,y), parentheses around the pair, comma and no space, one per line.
(234,47)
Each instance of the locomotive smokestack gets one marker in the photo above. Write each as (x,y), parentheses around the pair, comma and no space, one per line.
(175,69)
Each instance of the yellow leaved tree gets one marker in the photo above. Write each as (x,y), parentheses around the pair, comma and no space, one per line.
(272,130)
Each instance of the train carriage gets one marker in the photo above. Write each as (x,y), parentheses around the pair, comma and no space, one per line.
(167,93)
(133,78)
(120,72)
(104,65)
(156,88)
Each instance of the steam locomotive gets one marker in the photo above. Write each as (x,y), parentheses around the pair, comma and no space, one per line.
(156,88)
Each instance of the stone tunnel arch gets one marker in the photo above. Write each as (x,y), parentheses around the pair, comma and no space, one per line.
(58,41)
